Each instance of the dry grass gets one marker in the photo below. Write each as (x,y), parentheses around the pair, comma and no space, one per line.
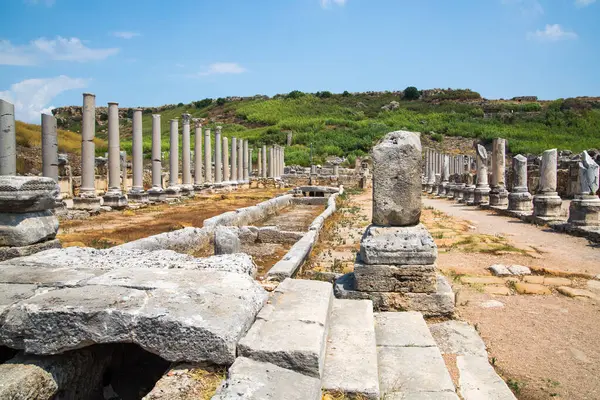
(337,395)
(30,135)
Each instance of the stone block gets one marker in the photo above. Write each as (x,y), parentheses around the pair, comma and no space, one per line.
(402,329)
(86,203)
(547,205)
(499,270)
(531,288)
(478,380)
(13,293)
(116,201)
(458,337)
(397,179)
(351,358)
(291,330)
(138,197)
(482,280)
(226,241)
(520,201)
(411,245)
(519,270)
(26,194)
(574,292)
(272,234)
(255,380)
(294,258)
(585,210)
(27,228)
(157,196)
(392,278)
(6,253)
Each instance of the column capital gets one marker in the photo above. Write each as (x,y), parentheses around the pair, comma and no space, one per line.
(155,116)
(112,103)
(185,118)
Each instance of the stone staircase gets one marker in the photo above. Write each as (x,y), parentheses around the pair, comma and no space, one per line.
(305,343)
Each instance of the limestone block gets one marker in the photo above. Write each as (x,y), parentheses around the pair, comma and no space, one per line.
(479,380)
(411,245)
(402,329)
(392,278)
(458,337)
(27,228)
(255,380)
(13,293)
(182,240)
(116,201)
(294,258)
(6,253)
(500,270)
(585,210)
(226,241)
(24,194)
(351,358)
(519,270)
(397,179)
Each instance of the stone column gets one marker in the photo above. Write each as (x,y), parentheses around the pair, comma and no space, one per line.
(283,161)
(585,207)
(186,187)
(198,137)
(123,160)
(498,192)
(482,190)
(156,193)
(137,192)
(174,190)
(336,170)
(114,196)
(207,158)
(234,162)
(264,160)
(519,199)
(259,162)
(240,171)
(218,157)
(225,159)
(441,189)
(546,202)
(8,139)
(289,139)
(431,176)
(49,147)
(271,159)
(246,162)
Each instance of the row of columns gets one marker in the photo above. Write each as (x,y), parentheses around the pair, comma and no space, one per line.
(462,186)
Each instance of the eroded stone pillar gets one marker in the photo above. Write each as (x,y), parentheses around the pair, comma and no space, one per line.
(240,172)
(49,147)
(546,202)
(431,177)
(519,199)
(207,158)
(234,161)
(498,192)
(156,193)
(198,160)
(114,196)
(585,207)
(445,175)
(246,162)
(225,158)
(218,157)
(174,190)
(482,190)
(8,139)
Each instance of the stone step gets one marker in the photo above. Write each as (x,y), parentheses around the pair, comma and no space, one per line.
(290,331)
(410,364)
(351,358)
(477,378)
(254,380)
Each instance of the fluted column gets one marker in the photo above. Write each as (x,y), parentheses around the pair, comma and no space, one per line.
(207,157)
(234,160)
(198,178)
(225,158)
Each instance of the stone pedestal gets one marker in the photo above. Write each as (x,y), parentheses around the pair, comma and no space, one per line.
(585,210)
(115,199)
(26,217)
(547,205)
(395,266)
(546,202)
(86,203)
(481,195)
(468,195)
(519,201)
(138,197)
(498,196)
(157,195)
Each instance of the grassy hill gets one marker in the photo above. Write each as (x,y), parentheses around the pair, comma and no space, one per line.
(348,124)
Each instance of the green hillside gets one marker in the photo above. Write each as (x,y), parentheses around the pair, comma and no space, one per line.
(348,124)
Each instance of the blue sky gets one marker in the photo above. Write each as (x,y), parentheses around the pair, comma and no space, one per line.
(153,52)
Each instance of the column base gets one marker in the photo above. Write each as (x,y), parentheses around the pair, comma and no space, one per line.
(441,189)
(520,201)
(430,187)
(468,195)
(173,192)
(585,210)
(86,203)
(187,190)
(481,195)
(138,197)
(547,205)
(115,200)
(498,197)
(157,195)
(449,191)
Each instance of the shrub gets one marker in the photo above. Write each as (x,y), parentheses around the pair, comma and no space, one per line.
(179,104)
(346,93)
(295,94)
(438,137)
(202,103)
(411,93)
(324,95)
(221,101)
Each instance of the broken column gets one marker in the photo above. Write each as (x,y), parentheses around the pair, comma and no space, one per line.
(137,192)
(225,159)
(173,190)
(585,207)
(156,193)
(519,199)
(198,137)
(498,192)
(114,197)
(546,202)
(264,160)
(481,194)
(240,171)
(234,162)
(396,266)
(431,174)
(441,189)
(8,139)
(87,199)
(27,223)
(246,162)
(187,189)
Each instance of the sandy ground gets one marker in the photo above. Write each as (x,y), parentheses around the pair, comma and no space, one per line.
(544,346)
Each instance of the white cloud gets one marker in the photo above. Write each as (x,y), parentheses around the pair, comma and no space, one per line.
(584,3)
(61,49)
(527,8)
(223,68)
(32,97)
(126,34)
(328,3)
(552,33)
